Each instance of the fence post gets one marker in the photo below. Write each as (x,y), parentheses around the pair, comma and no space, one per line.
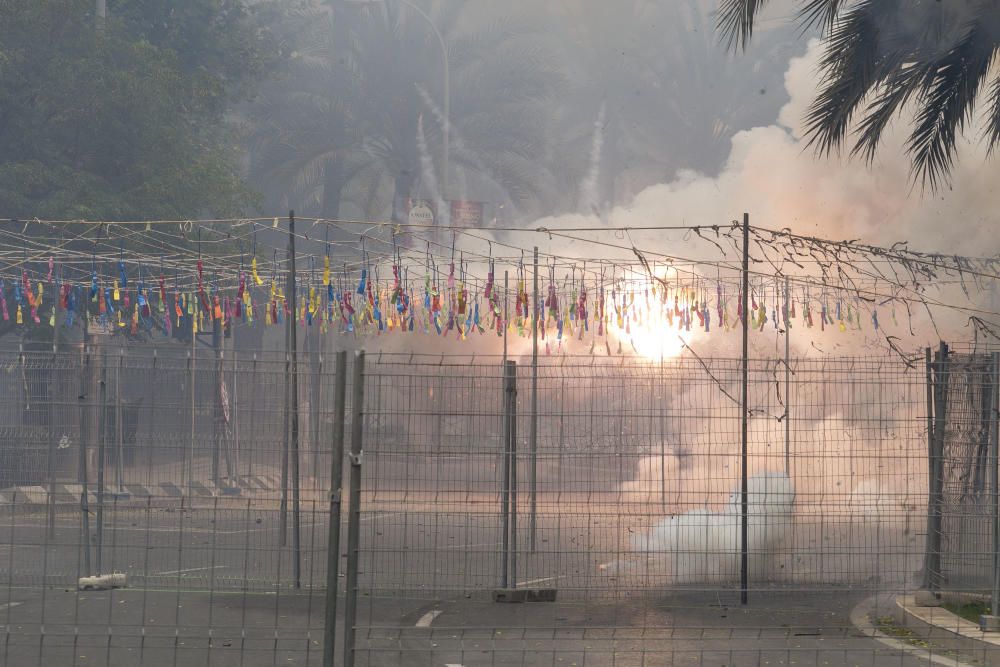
(86,386)
(102,435)
(533,424)
(938,375)
(119,432)
(744,412)
(995,475)
(54,385)
(217,421)
(293,339)
(510,369)
(513,475)
(336,488)
(354,508)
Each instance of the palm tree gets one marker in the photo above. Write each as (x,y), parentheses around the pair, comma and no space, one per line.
(881,55)
(303,124)
(363,82)
(672,98)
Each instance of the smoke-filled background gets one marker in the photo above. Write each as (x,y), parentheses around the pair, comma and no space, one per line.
(562,115)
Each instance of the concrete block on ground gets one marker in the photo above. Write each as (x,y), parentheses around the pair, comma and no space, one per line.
(927,599)
(509,595)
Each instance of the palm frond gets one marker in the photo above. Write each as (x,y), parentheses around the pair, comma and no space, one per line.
(852,64)
(946,104)
(897,89)
(735,21)
(822,13)
(992,128)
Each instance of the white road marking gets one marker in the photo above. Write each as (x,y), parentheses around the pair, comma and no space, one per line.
(428,618)
(10,604)
(452,664)
(537,581)
(192,569)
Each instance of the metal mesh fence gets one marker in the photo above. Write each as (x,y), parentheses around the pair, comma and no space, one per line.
(621,516)
(175,468)
(966,407)
(626,506)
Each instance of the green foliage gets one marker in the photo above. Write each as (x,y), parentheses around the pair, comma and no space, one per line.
(970,611)
(883,58)
(341,121)
(127,122)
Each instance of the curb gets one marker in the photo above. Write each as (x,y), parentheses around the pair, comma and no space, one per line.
(860,619)
(69,494)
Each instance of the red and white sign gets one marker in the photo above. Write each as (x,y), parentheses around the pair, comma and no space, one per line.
(466,213)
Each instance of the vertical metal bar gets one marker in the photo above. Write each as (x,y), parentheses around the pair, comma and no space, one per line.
(336,489)
(189,463)
(513,479)
(931,400)
(505,455)
(354,509)
(506,318)
(995,477)
(50,455)
(316,389)
(533,424)
(119,430)
(744,408)
(661,401)
(293,339)
(85,388)
(932,573)
(289,332)
(102,437)
(788,385)
(218,427)
(509,369)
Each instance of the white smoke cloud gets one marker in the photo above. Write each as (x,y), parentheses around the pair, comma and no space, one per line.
(772,173)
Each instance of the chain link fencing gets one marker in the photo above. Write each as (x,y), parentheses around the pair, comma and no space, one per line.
(603,527)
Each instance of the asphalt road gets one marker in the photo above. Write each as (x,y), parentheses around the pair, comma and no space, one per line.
(160,628)
(211,585)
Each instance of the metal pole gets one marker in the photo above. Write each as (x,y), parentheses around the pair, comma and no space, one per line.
(85,388)
(509,371)
(788,385)
(744,408)
(995,475)
(50,455)
(283,503)
(505,456)
(932,573)
(354,509)
(513,481)
(336,489)
(102,437)
(190,456)
(218,427)
(931,396)
(663,440)
(100,14)
(293,339)
(506,318)
(119,433)
(316,388)
(533,424)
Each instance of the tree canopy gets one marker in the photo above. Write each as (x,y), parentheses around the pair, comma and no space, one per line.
(881,56)
(128,121)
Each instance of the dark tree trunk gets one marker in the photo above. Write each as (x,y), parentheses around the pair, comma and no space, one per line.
(333,185)
(403,188)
